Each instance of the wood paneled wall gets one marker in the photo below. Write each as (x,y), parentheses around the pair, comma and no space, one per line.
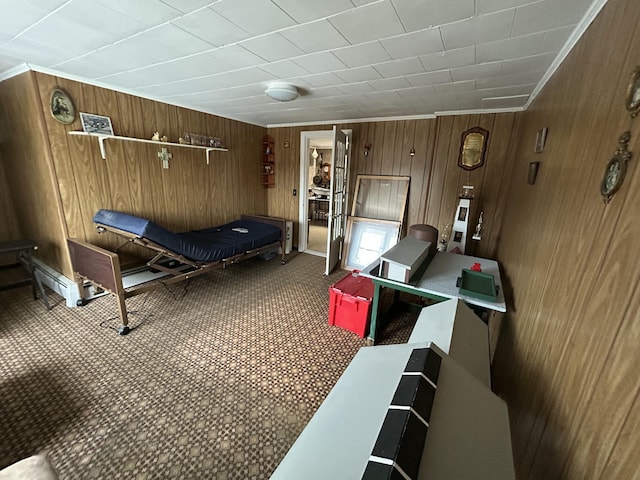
(64,180)
(26,158)
(436,180)
(567,359)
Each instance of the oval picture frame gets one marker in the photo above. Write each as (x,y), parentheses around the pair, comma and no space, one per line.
(616,169)
(61,107)
(633,93)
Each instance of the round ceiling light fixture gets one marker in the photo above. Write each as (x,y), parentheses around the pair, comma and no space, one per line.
(282,91)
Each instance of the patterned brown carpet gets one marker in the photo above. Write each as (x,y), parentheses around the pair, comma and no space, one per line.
(216,382)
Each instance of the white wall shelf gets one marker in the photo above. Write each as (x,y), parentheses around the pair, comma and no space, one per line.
(101,139)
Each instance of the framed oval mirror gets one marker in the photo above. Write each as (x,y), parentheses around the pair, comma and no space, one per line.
(472,148)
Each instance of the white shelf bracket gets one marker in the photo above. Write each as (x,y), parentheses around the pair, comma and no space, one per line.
(101,139)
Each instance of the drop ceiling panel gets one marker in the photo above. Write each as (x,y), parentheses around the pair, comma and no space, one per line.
(458,57)
(272,47)
(303,12)
(510,48)
(426,14)
(358,74)
(25,14)
(368,23)
(414,44)
(548,15)
(363,54)
(400,68)
(211,27)
(315,37)
(255,16)
(320,62)
(350,59)
(482,29)
(149,13)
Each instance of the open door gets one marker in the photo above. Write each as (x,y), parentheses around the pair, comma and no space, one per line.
(337,199)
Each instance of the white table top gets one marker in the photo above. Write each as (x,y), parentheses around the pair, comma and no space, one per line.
(440,278)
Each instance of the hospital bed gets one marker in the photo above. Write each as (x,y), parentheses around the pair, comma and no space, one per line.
(180,256)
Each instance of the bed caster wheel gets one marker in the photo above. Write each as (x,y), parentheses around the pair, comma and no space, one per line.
(123,330)
(81,302)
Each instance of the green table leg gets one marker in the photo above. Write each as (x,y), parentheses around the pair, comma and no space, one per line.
(371,340)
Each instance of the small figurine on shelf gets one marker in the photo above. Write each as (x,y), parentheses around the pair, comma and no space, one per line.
(478,235)
(163,138)
(156,136)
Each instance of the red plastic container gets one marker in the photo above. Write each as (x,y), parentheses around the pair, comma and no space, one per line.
(350,303)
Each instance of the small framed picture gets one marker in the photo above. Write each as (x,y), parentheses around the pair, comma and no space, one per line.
(541,139)
(96,124)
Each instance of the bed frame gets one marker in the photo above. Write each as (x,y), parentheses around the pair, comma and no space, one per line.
(101,267)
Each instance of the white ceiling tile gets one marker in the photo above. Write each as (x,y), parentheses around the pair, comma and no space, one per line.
(211,27)
(509,48)
(315,36)
(475,71)
(272,47)
(24,14)
(398,68)
(303,12)
(80,38)
(490,6)
(187,6)
(323,80)
(429,78)
(527,64)
(418,15)
(481,29)
(93,15)
(236,55)
(390,83)
(203,64)
(42,54)
(371,22)
(554,40)
(192,52)
(170,42)
(358,74)
(355,88)
(500,81)
(149,13)
(414,44)
(254,16)
(458,57)
(210,83)
(547,15)
(363,54)
(320,62)
(284,69)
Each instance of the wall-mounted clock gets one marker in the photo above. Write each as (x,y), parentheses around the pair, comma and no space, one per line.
(616,168)
(62,107)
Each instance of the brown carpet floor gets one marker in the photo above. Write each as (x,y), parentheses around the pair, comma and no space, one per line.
(216,382)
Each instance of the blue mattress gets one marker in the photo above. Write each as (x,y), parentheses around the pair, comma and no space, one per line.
(207,245)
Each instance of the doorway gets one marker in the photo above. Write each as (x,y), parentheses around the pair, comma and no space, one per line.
(316,157)
(324,159)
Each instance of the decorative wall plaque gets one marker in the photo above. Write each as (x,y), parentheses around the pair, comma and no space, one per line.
(472,148)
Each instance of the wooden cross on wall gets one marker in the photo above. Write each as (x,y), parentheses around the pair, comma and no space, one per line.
(165,156)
